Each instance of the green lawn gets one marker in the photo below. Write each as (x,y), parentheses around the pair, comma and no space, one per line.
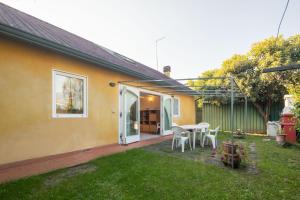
(149,174)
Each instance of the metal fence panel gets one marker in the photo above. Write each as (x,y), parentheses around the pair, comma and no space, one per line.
(220,116)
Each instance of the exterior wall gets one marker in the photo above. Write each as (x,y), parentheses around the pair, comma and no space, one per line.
(27,129)
(187,110)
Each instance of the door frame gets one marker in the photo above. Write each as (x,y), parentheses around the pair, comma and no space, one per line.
(161,95)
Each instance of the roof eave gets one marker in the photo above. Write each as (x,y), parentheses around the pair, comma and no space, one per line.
(35,40)
(41,42)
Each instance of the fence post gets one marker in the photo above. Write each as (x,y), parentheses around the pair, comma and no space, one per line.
(246,114)
(231,109)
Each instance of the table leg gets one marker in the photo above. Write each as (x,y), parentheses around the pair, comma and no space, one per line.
(194,139)
(201,140)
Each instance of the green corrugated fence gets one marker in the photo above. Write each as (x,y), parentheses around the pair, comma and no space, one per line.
(276,110)
(220,116)
(198,115)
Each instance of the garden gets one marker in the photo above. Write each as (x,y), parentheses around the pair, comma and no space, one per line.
(268,171)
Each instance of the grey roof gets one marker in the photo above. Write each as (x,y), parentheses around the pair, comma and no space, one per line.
(40,30)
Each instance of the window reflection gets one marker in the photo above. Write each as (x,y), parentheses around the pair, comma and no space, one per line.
(69,95)
(167,114)
(132,114)
(175,106)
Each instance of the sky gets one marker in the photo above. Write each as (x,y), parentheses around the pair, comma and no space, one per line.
(199,34)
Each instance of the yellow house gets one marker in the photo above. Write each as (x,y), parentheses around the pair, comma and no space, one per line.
(61,93)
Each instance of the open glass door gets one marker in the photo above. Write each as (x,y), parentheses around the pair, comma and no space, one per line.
(130,115)
(166,115)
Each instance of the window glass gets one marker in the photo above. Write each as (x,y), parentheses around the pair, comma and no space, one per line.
(69,94)
(175,106)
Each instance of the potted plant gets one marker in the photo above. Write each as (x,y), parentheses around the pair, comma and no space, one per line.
(230,156)
(280,137)
(229,147)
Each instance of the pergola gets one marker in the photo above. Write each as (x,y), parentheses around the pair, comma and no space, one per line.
(173,87)
(282,68)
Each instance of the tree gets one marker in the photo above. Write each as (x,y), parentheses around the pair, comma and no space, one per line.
(264,89)
(211,85)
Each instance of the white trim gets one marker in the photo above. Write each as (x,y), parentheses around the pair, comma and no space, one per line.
(178,100)
(85,95)
(119,114)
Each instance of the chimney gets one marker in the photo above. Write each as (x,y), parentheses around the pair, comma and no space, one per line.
(167,71)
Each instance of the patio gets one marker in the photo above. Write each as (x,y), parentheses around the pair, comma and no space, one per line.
(156,172)
(207,155)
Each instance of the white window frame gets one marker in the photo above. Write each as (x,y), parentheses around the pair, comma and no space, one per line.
(85,95)
(178,100)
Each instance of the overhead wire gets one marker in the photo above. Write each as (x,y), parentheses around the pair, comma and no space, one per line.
(282,17)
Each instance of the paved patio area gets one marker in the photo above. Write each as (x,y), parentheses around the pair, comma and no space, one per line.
(207,155)
(149,136)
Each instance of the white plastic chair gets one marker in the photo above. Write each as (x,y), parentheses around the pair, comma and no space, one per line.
(202,131)
(212,135)
(180,137)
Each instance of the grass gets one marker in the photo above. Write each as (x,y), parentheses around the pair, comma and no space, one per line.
(147,174)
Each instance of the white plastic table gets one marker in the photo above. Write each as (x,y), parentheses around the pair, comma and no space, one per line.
(194,128)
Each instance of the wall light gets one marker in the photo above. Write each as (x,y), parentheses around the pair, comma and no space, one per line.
(112,84)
